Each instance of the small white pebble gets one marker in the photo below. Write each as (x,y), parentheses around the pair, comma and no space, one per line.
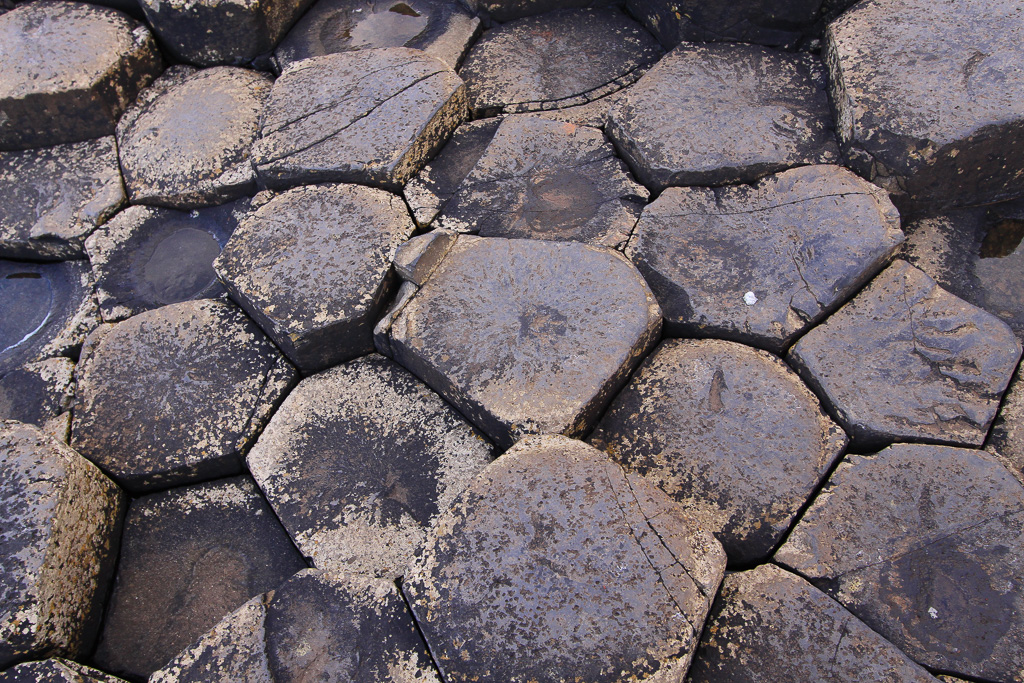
(750,298)
(933,613)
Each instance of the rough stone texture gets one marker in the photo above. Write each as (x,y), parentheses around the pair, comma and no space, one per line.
(55,671)
(59,541)
(923,543)
(559,59)
(417,259)
(507,10)
(359,461)
(371,116)
(547,180)
(770,113)
(68,71)
(186,142)
(802,242)
(1007,435)
(526,336)
(312,267)
(442,28)
(729,432)
(555,565)
(929,99)
(907,360)
(176,394)
(769,626)
(52,198)
(40,394)
(190,556)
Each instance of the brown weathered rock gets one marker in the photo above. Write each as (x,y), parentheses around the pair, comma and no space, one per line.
(55,671)
(1007,435)
(40,394)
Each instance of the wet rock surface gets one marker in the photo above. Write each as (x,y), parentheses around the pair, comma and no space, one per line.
(55,671)
(40,394)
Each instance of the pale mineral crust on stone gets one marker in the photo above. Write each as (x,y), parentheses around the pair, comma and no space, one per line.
(56,670)
(40,394)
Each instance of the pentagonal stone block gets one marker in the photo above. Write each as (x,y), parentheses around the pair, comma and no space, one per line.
(761,264)
(770,113)
(186,142)
(547,332)
(62,522)
(547,180)
(1007,435)
(923,543)
(55,671)
(555,60)
(938,132)
(908,360)
(189,557)
(177,394)
(40,394)
(555,565)
(729,432)
(371,116)
(312,267)
(68,70)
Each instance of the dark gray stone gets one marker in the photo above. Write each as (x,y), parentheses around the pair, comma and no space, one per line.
(55,671)
(312,267)
(777,23)
(923,543)
(507,10)
(40,394)
(417,259)
(770,112)
(176,394)
(1007,435)
(760,264)
(907,360)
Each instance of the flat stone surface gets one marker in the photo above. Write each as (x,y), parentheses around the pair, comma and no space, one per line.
(923,543)
(770,626)
(555,565)
(936,132)
(190,556)
(58,546)
(312,267)
(68,71)
(40,394)
(370,116)
(546,333)
(51,199)
(554,60)
(177,394)
(770,113)
(547,180)
(760,264)
(186,142)
(730,433)
(55,671)
(907,360)
(1007,435)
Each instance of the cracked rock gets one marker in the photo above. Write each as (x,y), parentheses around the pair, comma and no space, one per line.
(176,394)
(923,543)
(907,360)
(556,565)
(40,394)
(729,432)
(1007,435)
(55,671)
(371,116)
(770,113)
(760,264)
(312,267)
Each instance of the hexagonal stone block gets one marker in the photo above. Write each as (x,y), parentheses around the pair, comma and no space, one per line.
(934,568)
(938,132)
(556,565)
(770,113)
(908,360)
(371,116)
(559,59)
(62,521)
(176,394)
(312,267)
(51,199)
(40,394)
(68,70)
(547,333)
(55,671)
(186,142)
(760,264)
(1007,435)
(729,432)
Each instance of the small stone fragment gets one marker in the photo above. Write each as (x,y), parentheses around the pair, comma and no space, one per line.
(417,259)
(55,671)
(1007,435)
(40,394)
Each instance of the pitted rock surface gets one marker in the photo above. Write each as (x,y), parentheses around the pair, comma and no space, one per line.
(1007,435)
(312,267)
(527,336)
(55,671)
(370,116)
(68,70)
(507,10)
(58,546)
(727,431)
(770,113)
(907,360)
(40,394)
(177,394)
(923,543)
(760,264)
(556,565)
